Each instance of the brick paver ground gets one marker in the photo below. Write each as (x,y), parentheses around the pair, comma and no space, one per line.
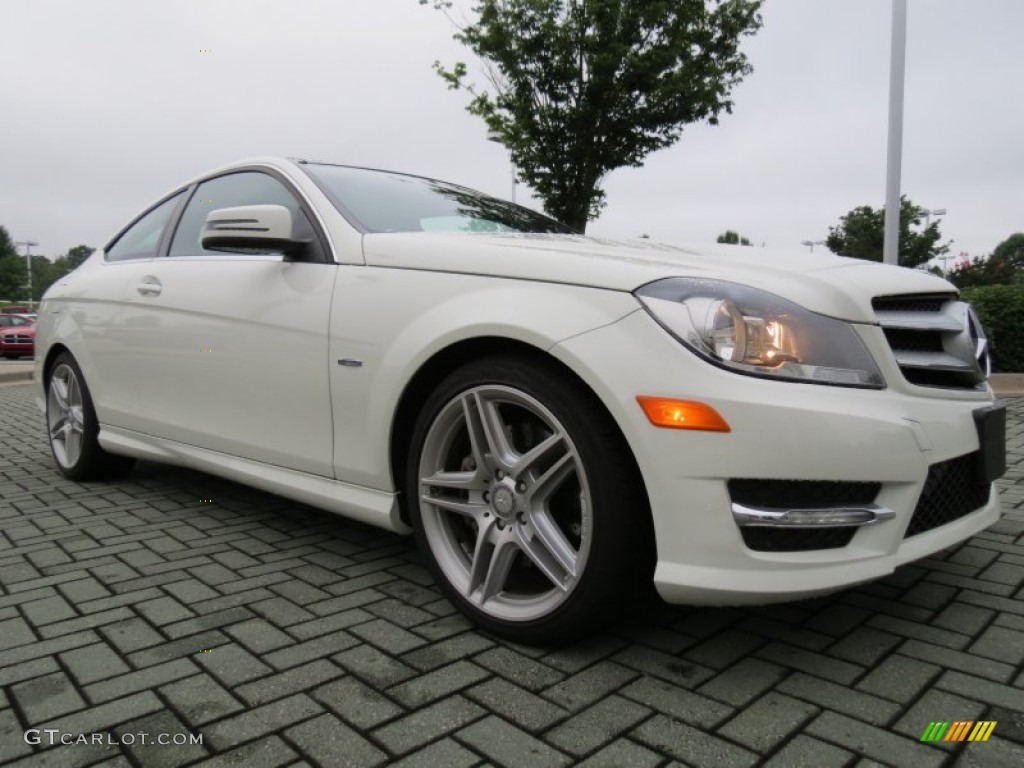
(176,603)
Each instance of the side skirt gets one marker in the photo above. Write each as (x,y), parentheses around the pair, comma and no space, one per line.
(367,505)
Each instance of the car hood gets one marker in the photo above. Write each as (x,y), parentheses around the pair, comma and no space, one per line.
(827,284)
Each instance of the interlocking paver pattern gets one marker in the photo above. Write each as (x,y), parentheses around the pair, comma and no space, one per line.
(174,602)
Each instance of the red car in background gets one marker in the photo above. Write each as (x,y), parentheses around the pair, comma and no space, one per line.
(17,341)
(9,320)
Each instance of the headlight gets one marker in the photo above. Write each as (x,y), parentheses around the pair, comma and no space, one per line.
(754,332)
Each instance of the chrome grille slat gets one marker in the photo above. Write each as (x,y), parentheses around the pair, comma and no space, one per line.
(936,339)
(919,321)
(938,360)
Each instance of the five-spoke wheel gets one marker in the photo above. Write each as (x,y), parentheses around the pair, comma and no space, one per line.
(522,499)
(72,426)
(505,502)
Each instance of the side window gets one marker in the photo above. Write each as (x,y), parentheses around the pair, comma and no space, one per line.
(141,239)
(246,188)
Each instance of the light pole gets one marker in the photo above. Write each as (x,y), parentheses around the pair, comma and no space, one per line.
(944,259)
(897,65)
(28,263)
(812,243)
(928,215)
(496,138)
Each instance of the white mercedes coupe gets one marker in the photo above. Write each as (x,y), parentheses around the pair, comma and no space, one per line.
(559,419)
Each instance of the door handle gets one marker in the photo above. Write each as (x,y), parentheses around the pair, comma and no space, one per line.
(149,286)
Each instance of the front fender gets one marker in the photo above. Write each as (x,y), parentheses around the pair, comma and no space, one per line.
(394,339)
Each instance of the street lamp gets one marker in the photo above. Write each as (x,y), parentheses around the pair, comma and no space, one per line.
(28,263)
(812,243)
(496,138)
(928,215)
(894,151)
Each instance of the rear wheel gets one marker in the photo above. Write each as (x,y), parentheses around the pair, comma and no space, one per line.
(72,426)
(527,501)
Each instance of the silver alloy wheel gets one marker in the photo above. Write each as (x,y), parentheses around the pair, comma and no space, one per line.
(505,503)
(65,416)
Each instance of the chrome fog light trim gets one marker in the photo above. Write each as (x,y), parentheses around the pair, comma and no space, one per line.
(825,517)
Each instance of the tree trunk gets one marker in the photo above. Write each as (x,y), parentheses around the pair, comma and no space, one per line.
(578,222)
(576,211)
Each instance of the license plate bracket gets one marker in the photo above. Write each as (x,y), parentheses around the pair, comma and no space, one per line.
(991,425)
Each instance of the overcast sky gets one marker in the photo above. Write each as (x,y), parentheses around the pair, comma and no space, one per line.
(107,104)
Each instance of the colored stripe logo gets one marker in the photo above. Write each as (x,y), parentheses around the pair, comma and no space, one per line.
(959,730)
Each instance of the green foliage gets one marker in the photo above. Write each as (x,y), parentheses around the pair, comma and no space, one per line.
(42,276)
(981,271)
(582,87)
(1001,311)
(1003,267)
(861,234)
(12,269)
(1011,251)
(75,256)
(45,272)
(6,244)
(14,275)
(733,238)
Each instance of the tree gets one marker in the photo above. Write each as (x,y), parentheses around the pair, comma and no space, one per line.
(75,256)
(12,269)
(1003,267)
(861,233)
(582,87)
(1011,251)
(45,272)
(980,271)
(733,238)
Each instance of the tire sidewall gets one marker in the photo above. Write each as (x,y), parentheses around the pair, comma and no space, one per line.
(603,581)
(93,462)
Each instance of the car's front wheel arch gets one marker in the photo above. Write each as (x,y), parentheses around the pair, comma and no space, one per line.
(439,365)
(51,358)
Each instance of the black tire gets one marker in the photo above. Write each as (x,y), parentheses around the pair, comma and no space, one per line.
(76,427)
(611,551)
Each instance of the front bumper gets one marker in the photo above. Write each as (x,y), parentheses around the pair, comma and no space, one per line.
(780,431)
(17,349)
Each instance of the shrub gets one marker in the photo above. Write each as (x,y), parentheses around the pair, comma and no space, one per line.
(1001,311)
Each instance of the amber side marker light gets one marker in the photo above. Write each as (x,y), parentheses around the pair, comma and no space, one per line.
(682,414)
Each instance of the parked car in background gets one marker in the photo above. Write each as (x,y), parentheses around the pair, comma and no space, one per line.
(560,419)
(17,341)
(16,310)
(9,321)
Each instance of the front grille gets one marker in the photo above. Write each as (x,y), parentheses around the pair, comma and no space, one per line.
(802,494)
(13,339)
(952,489)
(796,539)
(903,340)
(936,339)
(913,303)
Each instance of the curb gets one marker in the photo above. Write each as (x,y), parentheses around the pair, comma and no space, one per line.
(1007,384)
(15,377)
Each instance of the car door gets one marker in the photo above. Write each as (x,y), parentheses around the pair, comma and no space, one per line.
(101,338)
(236,343)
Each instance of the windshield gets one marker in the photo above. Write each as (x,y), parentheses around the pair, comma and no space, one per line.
(378,201)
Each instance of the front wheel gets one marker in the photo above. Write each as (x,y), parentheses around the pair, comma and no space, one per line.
(72,427)
(527,501)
